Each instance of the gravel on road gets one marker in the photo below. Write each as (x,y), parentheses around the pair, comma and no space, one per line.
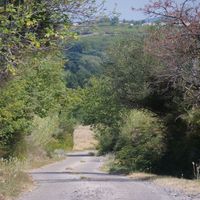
(78,177)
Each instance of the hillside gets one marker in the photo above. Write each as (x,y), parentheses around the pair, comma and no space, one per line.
(87,56)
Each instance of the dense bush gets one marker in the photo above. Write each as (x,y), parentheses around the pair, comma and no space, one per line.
(129,69)
(141,141)
(85,59)
(107,138)
(15,119)
(99,104)
(34,106)
(100,108)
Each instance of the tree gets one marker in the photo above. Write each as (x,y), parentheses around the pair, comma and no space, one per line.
(38,92)
(176,43)
(28,25)
(141,140)
(129,69)
(101,109)
(175,87)
(114,20)
(100,104)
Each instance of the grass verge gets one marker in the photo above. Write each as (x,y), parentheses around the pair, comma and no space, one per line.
(188,187)
(12,179)
(181,186)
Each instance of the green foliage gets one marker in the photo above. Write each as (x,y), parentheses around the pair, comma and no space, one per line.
(29,25)
(43,130)
(14,115)
(66,144)
(34,105)
(85,59)
(129,62)
(46,86)
(107,137)
(143,141)
(193,117)
(114,20)
(100,105)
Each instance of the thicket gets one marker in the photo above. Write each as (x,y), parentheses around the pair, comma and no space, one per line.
(34,109)
(138,83)
(165,84)
(85,59)
(33,106)
(144,101)
(141,142)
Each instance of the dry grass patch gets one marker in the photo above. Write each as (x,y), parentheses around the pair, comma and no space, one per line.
(189,187)
(84,139)
(108,163)
(34,164)
(13,180)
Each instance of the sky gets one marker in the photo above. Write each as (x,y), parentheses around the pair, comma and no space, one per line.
(124,7)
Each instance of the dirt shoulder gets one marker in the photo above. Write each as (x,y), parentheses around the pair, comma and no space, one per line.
(180,189)
(15,178)
(183,188)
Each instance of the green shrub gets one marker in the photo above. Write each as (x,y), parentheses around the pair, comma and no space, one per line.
(107,138)
(192,117)
(14,116)
(43,130)
(34,105)
(65,144)
(48,134)
(141,141)
(100,105)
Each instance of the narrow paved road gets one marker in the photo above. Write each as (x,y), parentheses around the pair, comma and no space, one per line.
(79,178)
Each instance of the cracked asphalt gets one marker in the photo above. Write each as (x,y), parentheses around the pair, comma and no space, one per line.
(78,177)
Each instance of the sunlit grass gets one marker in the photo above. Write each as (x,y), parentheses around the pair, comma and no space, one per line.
(12,178)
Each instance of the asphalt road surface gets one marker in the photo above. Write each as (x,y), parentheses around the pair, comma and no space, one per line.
(79,178)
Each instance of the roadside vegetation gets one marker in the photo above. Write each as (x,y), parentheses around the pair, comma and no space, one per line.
(12,179)
(175,186)
(136,84)
(144,106)
(36,124)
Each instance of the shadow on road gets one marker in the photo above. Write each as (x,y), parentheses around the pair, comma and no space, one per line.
(80,155)
(90,176)
(72,173)
(83,177)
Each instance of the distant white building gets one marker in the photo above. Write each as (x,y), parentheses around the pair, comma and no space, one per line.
(149,24)
(162,23)
(75,24)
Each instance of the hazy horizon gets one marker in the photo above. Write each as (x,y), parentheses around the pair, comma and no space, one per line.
(124,7)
